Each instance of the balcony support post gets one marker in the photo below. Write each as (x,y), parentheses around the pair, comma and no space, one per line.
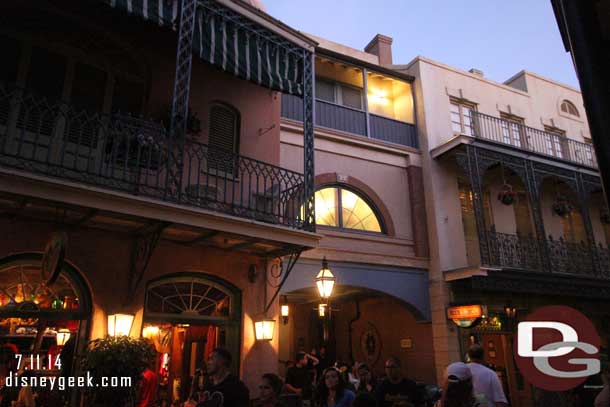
(309,205)
(180,100)
(533,193)
(583,197)
(470,163)
(367,117)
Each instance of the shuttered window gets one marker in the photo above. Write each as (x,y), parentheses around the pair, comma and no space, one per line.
(224,139)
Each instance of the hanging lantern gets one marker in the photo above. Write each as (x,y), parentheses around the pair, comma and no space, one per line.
(119,324)
(322,310)
(63,335)
(325,281)
(263,329)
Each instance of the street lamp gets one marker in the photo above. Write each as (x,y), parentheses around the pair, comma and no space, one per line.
(325,281)
(120,324)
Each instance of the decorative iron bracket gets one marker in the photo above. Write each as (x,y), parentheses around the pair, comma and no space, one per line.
(143,247)
(283,275)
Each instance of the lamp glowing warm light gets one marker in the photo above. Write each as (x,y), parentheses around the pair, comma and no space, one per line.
(119,324)
(325,281)
(63,335)
(150,332)
(263,329)
(378,96)
(322,310)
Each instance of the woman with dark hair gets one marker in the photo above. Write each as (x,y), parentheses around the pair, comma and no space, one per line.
(332,391)
(270,389)
(458,390)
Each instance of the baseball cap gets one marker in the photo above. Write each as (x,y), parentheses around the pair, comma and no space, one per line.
(458,372)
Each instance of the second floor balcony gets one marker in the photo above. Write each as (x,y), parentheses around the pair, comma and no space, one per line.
(553,144)
(360,102)
(136,156)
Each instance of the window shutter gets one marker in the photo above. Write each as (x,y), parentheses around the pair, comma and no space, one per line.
(223,129)
(325,90)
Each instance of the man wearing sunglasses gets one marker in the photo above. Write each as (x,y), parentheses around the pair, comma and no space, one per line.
(396,390)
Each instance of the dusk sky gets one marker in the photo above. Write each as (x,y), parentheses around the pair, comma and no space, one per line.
(498,37)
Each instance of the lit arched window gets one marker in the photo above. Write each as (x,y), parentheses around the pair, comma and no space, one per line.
(569,108)
(342,208)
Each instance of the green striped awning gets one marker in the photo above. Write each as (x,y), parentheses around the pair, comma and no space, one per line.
(227,43)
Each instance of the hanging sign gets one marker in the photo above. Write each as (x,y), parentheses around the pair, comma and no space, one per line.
(465,315)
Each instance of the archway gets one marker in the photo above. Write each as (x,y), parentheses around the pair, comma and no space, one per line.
(40,321)
(186,316)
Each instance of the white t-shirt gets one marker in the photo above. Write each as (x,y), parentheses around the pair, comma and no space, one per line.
(485,381)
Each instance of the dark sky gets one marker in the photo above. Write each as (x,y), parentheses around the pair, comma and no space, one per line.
(499,37)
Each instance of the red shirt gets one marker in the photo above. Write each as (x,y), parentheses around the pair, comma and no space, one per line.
(148,388)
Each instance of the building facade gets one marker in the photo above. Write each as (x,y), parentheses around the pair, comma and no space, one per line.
(140,141)
(516,214)
(370,210)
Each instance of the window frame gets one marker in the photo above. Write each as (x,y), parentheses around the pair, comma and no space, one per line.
(515,130)
(462,105)
(556,143)
(569,106)
(338,93)
(339,217)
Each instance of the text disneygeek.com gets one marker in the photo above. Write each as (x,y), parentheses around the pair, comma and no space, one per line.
(61,383)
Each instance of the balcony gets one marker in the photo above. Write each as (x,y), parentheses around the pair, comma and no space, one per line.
(133,155)
(354,121)
(526,138)
(548,255)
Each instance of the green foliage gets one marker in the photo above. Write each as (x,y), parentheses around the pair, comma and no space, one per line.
(116,357)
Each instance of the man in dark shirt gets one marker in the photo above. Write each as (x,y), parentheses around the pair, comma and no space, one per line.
(223,388)
(396,390)
(298,378)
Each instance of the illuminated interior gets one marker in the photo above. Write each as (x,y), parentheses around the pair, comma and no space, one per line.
(343,84)
(343,208)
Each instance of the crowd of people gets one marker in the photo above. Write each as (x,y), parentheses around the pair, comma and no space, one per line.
(312,381)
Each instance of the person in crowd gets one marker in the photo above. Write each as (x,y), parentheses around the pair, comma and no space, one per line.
(149,383)
(603,398)
(365,400)
(332,391)
(458,390)
(323,360)
(396,390)
(366,381)
(348,377)
(270,389)
(298,380)
(484,380)
(223,389)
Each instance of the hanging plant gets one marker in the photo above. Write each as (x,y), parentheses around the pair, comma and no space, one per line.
(604,216)
(507,196)
(193,122)
(562,207)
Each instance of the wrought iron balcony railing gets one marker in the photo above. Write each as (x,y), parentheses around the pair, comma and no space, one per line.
(531,139)
(548,255)
(347,119)
(132,155)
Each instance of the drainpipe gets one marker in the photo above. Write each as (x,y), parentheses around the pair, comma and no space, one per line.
(350,329)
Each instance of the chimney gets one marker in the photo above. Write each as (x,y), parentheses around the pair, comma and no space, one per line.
(381,46)
(476,72)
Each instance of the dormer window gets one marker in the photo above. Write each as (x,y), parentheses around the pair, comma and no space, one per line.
(569,108)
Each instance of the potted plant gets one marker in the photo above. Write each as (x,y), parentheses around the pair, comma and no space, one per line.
(116,357)
(562,207)
(507,196)
(193,123)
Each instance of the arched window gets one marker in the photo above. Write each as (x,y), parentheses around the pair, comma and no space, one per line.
(223,138)
(569,108)
(343,208)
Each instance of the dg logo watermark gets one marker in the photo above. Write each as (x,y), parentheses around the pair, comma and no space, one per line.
(557,348)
